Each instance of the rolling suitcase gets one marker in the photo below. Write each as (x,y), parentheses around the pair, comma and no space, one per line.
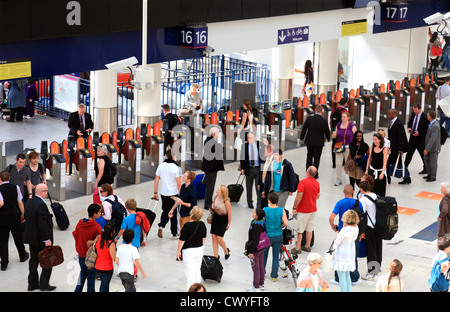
(149,212)
(62,220)
(235,190)
(200,184)
(211,268)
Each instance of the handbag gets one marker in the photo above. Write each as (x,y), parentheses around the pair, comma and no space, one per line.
(339,147)
(398,171)
(362,250)
(263,241)
(210,217)
(91,255)
(50,257)
(328,259)
(350,165)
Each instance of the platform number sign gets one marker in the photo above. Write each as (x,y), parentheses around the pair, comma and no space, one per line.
(395,13)
(193,37)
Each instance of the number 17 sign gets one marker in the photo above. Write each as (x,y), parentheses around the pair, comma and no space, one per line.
(193,37)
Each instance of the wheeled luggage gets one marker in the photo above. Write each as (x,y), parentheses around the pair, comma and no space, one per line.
(62,220)
(200,185)
(235,190)
(211,268)
(149,211)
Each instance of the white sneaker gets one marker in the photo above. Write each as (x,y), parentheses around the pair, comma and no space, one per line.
(368,277)
(333,281)
(261,288)
(253,289)
(338,182)
(175,237)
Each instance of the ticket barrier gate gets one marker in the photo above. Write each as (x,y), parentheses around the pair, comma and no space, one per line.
(387,103)
(358,113)
(56,180)
(404,106)
(179,146)
(277,134)
(80,181)
(129,168)
(154,155)
(372,112)
(430,98)
(419,97)
(292,132)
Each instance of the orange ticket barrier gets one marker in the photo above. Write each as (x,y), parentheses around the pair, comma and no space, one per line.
(237,116)
(229,115)
(338,95)
(351,101)
(104,138)
(114,140)
(54,148)
(214,118)
(207,119)
(129,135)
(157,128)
(287,115)
(64,153)
(90,147)
(138,135)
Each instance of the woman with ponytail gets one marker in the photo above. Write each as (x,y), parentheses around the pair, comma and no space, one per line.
(391,282)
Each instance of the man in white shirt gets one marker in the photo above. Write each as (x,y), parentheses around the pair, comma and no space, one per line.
(374,242)
(170,175)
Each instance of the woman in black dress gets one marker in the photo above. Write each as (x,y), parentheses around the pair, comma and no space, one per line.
(376,164)
(221,208)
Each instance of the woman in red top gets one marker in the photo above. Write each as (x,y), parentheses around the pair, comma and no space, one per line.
(106,252)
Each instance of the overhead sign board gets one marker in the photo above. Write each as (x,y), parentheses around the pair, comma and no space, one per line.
(15,69)
(353,28)
(193,37)
(293,35)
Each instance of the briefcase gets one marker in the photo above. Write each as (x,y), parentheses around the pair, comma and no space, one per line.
(50,257)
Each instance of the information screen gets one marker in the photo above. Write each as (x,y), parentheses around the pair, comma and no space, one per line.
(66,92)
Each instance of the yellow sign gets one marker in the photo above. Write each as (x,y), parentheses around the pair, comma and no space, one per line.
(14,69)
(353,28)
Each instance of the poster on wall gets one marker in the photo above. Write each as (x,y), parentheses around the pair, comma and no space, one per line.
(66,92)
(15,69)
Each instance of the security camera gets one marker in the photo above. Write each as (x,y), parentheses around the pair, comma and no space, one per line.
(123,64)
(207,51)
(435,18)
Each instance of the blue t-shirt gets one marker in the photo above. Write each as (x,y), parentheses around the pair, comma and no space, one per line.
(273,221)
(342,206)
(129,222)
(276,176)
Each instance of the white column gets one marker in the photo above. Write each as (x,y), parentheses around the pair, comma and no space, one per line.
(283,72)
(104,99)
(148,101)
(417,50)
(326,77)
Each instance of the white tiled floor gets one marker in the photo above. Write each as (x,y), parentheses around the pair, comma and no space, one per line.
(164,273)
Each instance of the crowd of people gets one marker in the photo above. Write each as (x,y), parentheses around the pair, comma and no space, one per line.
(273,178)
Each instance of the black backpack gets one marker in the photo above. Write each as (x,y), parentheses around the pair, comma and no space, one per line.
(118,212)
(386,225)
(362,225)
(336,117)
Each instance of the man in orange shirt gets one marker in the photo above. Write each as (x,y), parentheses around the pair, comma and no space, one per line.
(305,207)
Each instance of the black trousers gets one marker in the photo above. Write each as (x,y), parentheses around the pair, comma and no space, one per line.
(167,204)
(252,178)
(210,187)
(313,156)
(17,114)
(34,280)
(413,145)
(374,251)
(10,223)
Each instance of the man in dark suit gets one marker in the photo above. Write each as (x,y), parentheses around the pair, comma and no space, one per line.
(172,121)
(432,146)
(212,163)
(250,165)
(315,131)
(265,170)
(397,136)
(11,215)
(417,127)
(38,234)
(80,123)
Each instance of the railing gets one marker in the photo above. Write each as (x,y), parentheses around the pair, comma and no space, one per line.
(215,77)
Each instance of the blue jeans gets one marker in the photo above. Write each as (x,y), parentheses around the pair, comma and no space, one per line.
(275,243)
(443,118)
(85,273)
(344,281)
(105,279)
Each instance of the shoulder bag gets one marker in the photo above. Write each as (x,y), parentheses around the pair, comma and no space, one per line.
(339,147)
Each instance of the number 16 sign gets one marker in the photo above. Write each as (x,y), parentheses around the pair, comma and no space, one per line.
(193,37)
